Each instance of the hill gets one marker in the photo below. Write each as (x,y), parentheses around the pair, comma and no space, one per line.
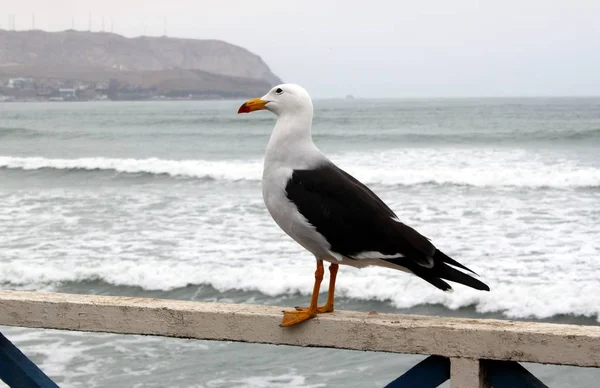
(150,65)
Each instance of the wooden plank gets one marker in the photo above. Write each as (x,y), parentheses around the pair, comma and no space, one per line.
(16,370)
(467,373)
(429,373)
(509,374)
(449,337)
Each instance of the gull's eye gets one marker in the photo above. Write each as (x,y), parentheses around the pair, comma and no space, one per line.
(278,91)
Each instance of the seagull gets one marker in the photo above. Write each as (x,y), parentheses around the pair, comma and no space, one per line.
(333,215)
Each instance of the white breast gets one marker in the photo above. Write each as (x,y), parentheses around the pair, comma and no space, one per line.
(286,214)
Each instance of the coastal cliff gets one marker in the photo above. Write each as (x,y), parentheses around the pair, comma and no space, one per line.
(121,66)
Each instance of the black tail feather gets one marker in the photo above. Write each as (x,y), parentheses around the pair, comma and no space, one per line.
(425,274)
(446,272)
(447,259)
(441,270)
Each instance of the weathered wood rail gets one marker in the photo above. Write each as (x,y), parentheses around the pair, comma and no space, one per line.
(467,349)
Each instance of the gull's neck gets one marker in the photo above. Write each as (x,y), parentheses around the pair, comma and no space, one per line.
(291,142)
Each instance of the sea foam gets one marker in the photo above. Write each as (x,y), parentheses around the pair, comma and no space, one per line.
(519,299)
(468,167)
(537,249)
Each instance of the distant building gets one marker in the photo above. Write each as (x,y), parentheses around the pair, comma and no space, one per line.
(101,85)
(68,93)
(45,92)
(20,83)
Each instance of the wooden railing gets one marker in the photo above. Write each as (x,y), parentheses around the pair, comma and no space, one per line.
(472,352)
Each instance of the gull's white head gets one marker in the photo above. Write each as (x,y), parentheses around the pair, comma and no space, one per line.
(283,99)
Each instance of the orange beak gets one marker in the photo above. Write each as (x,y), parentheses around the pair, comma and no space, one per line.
(252,105)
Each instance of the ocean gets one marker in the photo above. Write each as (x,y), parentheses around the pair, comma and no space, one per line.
(163,199)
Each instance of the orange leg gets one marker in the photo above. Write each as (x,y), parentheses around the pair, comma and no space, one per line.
(328,307)
(333,270)
(293,317)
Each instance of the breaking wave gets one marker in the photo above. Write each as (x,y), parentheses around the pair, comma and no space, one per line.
(225,170)
(406,168)
(540,301)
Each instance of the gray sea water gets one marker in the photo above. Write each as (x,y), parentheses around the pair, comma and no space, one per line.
(163,199)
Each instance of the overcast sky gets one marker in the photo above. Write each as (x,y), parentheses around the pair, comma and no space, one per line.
(416,48)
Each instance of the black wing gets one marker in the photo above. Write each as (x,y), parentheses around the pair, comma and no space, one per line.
(354,221)
(352,218)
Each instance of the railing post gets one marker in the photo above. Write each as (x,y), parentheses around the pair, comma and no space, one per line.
(466,373)
(16,370)
(429,373)
(510,374)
